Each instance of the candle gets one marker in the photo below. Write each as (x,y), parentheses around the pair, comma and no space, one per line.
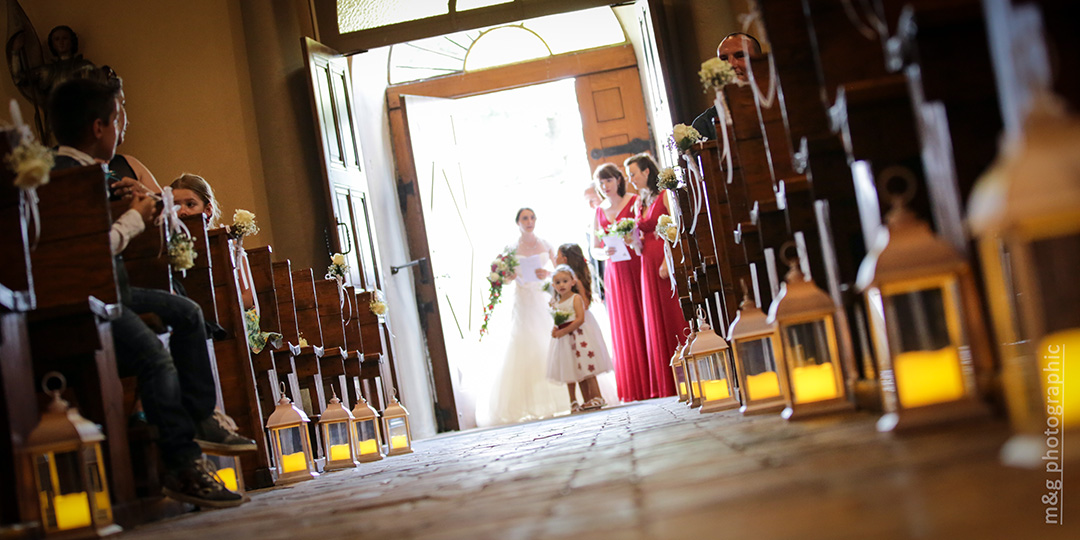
(682,389)
(1056,355)
(715,389)
(293,462)
(813,383)
(399,441)
(763,385)
(369,446)
(339,452)
(72,510)
(228,477)
(928,377)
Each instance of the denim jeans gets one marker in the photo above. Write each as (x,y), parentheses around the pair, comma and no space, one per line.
(176,385)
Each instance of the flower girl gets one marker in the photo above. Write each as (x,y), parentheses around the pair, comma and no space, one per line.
(577,353)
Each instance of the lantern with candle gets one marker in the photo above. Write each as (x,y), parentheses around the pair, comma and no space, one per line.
(366,432)
(1025,214)
(678,369)
(336,426)
(395,420)
(709,354)
(752,343)
(227,470)
(811,372)
(925,322)
(65,453)
(291,442)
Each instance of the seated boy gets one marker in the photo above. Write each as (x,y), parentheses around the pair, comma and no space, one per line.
(176,385)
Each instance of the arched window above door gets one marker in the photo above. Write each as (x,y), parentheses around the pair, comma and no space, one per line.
(504,44)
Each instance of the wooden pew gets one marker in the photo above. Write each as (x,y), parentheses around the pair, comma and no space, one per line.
(306,359)
(284,364)
(336,353)
(365,375)
(266,378)
(233,360)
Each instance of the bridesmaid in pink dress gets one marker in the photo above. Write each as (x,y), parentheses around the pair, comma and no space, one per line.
(664,322)
(622,283)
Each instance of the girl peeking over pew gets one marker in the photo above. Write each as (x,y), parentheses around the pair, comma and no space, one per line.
(195,196)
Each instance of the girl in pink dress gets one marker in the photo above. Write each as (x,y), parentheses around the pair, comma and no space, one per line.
(622,283)
(664,321)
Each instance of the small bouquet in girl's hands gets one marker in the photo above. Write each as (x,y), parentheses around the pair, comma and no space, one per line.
(243,224)
(562,318)
(683,138)
(667,228)
(338,267)
(668,178)
(716,73)
(502,270)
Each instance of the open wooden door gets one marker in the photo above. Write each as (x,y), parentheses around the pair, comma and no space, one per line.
(613,116)
(344,181)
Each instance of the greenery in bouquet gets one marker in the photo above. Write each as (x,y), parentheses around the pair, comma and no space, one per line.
(561,317)
(716,73)
(502,271)
(683,138)
(624,228)
(243,224)
(668,178)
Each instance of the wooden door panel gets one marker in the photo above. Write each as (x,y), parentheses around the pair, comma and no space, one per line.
(613,116)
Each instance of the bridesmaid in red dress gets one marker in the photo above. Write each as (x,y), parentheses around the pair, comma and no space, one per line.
(664,322)
(622,283)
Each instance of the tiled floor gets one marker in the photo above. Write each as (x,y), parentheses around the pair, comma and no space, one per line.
(658,470)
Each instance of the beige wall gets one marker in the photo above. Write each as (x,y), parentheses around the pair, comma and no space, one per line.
(187,86)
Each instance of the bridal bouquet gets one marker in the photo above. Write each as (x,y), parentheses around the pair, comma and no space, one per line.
(716,73)
(667,228)
(562,317)
(683,137)
(668,178)
(502,270)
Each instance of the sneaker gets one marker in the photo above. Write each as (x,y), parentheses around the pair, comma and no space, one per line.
(217,434)
(196,484)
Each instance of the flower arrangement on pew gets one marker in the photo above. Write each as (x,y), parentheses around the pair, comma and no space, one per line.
(243,225)
(502,270)
(378,305)
(181,251)
(31,163)
(716,73)
(668,178)
(338,268)
(683,138)
(668,229)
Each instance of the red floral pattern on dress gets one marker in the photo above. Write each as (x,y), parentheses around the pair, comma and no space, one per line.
(591,354)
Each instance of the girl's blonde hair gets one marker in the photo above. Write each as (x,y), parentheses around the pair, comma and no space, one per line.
(200,187)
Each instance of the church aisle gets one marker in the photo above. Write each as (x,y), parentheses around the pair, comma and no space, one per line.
(655,469)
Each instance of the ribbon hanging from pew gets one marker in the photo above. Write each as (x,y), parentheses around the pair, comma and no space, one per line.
(342,297)
(698,183)
(170,221)
(765,98)
(721,105)
(35,175)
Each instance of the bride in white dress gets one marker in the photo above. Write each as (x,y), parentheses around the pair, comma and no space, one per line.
(519,390)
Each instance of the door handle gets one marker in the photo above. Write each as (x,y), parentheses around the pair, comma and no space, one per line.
(415,262)
(346,236)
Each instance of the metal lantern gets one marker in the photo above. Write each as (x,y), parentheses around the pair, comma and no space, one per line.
(336,426)
(922,306)
(693,384)
(366,432)
(753,343)
(678,370)
(65,453)
(291,442)
(1025,214)
(811,373)
(709,353)
(395,420)
(227,469)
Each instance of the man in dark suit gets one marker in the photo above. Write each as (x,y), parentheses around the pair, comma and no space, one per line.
(733,50)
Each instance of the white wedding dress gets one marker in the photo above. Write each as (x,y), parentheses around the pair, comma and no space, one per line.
(518,389)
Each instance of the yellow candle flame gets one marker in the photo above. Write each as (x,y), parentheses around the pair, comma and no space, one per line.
(928,377)
(369,446)
(813,383)
(715,390)
(293,462)
(1057,353)
(228,477)
(72,510)
(682,389)
(399,441)
(340,452)
(763,385)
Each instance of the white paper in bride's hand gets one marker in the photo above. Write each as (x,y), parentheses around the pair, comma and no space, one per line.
(621,252)
(527,267)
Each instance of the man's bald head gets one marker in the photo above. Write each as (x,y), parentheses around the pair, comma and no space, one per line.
(733,49)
